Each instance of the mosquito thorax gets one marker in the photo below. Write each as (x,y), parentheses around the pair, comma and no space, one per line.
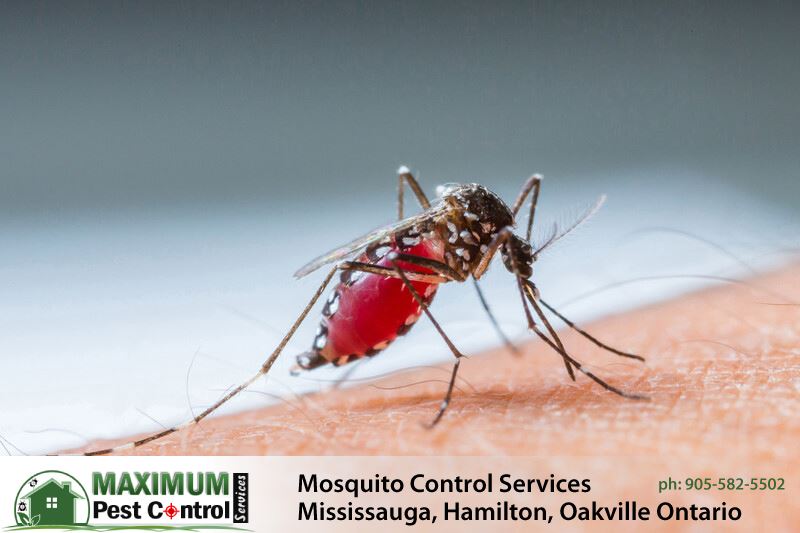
(475,217)
(479,201)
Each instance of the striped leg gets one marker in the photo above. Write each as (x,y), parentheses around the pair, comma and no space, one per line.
(456,353)
(527,291)
(236,390)
(404,177)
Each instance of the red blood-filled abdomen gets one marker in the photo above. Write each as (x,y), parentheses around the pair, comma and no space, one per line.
(364,315)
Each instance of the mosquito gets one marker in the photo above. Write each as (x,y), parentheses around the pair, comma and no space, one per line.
(389,277)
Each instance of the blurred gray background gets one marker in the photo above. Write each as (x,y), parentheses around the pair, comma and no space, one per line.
(167,166)
(197,104)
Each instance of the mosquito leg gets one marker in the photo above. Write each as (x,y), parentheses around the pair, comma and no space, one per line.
(498,241)
(532,184)
(404,176)
(458,355)
(236,390)
(553,334)
(443,277)
(590,337)
(448,395)
(445,270)
(440,268)
(510,345)
(390,272)
(532,325)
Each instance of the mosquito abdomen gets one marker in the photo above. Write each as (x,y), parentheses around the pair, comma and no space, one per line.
(366,312)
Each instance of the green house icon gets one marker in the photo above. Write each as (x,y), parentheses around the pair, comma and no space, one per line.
(54,503)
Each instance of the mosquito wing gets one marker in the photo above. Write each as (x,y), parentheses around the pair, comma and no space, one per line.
(560,229)
(357,245)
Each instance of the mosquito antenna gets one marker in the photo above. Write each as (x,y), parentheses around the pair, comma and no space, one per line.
(561,233)
(550,240)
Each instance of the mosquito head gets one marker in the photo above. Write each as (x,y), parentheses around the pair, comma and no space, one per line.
(518,256)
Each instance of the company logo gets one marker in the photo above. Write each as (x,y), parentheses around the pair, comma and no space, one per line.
(141,500)
(51,498)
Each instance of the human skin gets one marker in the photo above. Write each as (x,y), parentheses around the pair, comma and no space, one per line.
(723,380)
(722,376)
